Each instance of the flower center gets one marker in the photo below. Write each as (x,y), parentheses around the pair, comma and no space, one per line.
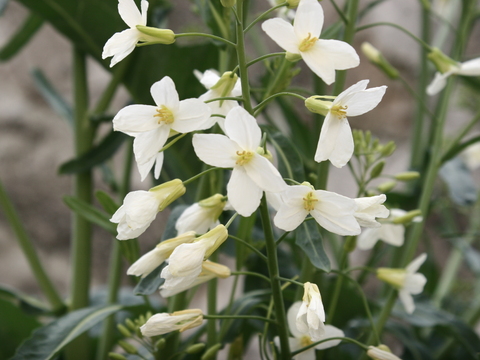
(244,157)
(309,201)
(339,110)
(164,115)
(307,43)
(305,340)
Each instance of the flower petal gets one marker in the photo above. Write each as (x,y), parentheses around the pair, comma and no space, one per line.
(134,119)
(392,234)
(264,174)
(364,101)
(330,332)
(147,145)
(129,13)
(292,319)
(209,78)
(308,19)
(216,150)
(120,45)
(158,164)
(243,193)
(164,93)
(414,283)
(282,33)
(438,83)
(367,239)
(335,142)
(343,97)
(192,115)
(416,263)
(407,301)
(242,128)
(145,167)
(288,218)
(470,68)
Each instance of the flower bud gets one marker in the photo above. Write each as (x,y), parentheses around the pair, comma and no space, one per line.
(164,323)
(129,348)
(115,356)
(379,60)
(228,3)
(168,192)
(211,352)
(196,348)
(381,352)
(292,4)
(123,330)
(386,186)
(442,62)
(267,155)
(388,149)
(210,268)
(407,175)
(414,215)
(156,35)
(292,57)
(160,344)
(315,105)
(394,277)
(131,325)
(214,238)
(377,170)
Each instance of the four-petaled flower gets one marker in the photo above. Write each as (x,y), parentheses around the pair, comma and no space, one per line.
(151,125)
(336,140)
(252,172)
(311,314)
(334,212)
(407,281)
(323,57)
(370,208)
(381,352)
(468,68)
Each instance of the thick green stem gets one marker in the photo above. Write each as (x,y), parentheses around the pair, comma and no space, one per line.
(30,253)
(82,230)
(242,59)
(277,295)
(212,309)
(338,288)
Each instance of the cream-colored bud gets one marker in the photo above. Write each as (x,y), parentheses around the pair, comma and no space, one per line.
(210,268)
(381,352)
(414,215)
(225,84)
(292,3)
(228,3)
(407,175)
(156,35)
(214,238)
(379,60)
(386,186)
(394,277)
(315,105)
(168,192)
(442,62)
(292,57)
(164,323)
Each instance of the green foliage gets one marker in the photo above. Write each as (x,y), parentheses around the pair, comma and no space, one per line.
(91,213)
(29,28)
(308,237)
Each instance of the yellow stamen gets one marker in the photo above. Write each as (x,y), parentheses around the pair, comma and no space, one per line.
(339,110)
(305,340)
(307,43)
(309,201)
(244,157)
(165,115)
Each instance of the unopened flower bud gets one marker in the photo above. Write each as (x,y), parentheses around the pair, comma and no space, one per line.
(388,149)
(123,330)
(160,344)
(194,349)
(164,323)
(131,325)
(129,348)
(225,84)
(292,3)
(292,57)
(115,356)
(267,155)
(379,60)
(442,62)
(315,105)
(211,352)
(414,215)
(228,3)
(381,352)
(377,170)
(213,239)
(168,192)
(407,175)
(156,35)
(386,186)
(215,269)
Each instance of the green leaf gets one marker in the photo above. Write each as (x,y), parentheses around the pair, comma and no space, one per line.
(49,340)
(15,327)
(460,182)
(97,155)
(150,283)
(459,148)
(29,28)
(170,231)
(29,305)
(108,204)
(52,97)
(91,213)
(310,240)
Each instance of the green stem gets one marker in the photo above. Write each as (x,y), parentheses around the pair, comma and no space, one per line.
(262,16)
(350,340)
(214,37)
(193,178)
(259,107)
(242,60)
(212,308)
(82,230)
(276,287)
(239,317)
(251,273)
(251,247)
(263,57)
(338,288)
(175,303)
(30,253)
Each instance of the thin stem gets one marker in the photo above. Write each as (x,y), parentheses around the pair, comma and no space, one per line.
(30,253)
(251,247)
(251,273)
(212,308)
(338,288)
(224,98)
(276,287)
(281,238)
(214,37)
(193,178)
(290,281)
(262,16)
(254,61)
(179,137)
(241,56)
(350,340)
(461,134)
(230,221)
(339,12)
(238,317)
(259,107)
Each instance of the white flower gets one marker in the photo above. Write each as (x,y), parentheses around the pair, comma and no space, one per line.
(311,314)
(140,208)
(252,172)
(151,125)
(210,270)
(301,340)
(154,258)
(202,216)
(336,140)
(407,281)
(164,323)
(228,85)
(122,43)
(332,211)
(284,12)
(381,352)
(391,233)
(468,68)
(323,57)
(471,156)
(369,208)
(186,260)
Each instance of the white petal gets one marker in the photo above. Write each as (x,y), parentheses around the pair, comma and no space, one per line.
(392,234)
(134,119)
(147,263)
(335,213)
(288,218)
(192,115)
(209,78)
(242,128)
(158,164)
(145,167)
(407,301)
(367,239)
(243,193)
(144,7)
(264,174)
(330,331)
(364,101)
(344,146)
(336,141)
(343,97)
(470,68)
(129,13)
(318,61)
(147,145)
(216,150)
(416,263)
(414,283)
(120,45)
(282,33)
(292,319)
(308,19)
(164,93)
(438,83)
(186,260)
(341,54)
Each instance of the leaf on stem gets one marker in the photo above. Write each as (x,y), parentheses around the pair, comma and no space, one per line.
(29,28)
(310,240)
(91,213)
